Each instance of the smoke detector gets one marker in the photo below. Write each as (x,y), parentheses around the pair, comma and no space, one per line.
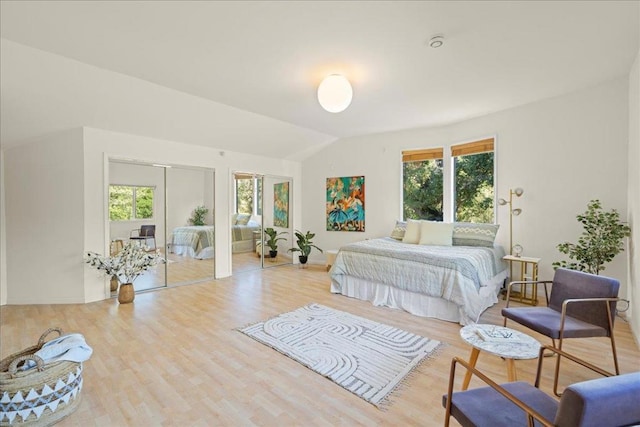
(436,41)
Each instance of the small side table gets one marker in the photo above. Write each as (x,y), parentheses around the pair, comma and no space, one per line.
(514,346)
(331,255)
(528,271)
(256,237)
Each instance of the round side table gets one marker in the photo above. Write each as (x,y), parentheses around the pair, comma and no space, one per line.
(500,341)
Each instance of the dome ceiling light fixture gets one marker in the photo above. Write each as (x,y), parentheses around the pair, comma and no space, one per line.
(335,93)
(436,41)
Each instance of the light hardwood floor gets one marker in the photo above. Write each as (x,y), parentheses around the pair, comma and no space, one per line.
(174,358)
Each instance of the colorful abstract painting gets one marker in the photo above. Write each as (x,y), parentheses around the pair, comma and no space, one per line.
(281,205)
(345,203)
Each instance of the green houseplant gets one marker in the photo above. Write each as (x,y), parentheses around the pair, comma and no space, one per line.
(127,265)
(198,216)
(600,242)
(304,245)
(272,241)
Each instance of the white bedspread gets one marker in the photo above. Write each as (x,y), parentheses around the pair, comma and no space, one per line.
(458,274)
(195,241)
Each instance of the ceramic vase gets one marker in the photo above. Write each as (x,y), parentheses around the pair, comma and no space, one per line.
(126,293)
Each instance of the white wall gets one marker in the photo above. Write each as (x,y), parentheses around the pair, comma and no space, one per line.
(3,241)
(634,198)
(44,213)
(563,151)
(186,190)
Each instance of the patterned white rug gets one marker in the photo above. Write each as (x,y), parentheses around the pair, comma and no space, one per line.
(367,358)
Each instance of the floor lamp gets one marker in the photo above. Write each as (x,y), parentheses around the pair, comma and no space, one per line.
(512,212)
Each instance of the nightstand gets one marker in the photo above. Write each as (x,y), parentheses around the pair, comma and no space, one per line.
(528,271)
(331,255)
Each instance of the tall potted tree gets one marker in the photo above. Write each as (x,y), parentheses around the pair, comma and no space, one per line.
(304,245)
(599,243)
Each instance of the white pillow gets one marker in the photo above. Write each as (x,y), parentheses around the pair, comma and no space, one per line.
(436,233)
(412,235)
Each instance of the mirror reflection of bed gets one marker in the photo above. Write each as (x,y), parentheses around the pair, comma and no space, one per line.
(175,192)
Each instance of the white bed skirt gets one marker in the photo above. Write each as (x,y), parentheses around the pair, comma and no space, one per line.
(417,304)
(206,253)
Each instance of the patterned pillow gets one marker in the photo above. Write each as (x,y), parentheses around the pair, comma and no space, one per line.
(469,234)
(399,230)
(243,219)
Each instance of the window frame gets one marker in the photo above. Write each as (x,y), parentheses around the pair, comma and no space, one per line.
(134,188)
(448,188)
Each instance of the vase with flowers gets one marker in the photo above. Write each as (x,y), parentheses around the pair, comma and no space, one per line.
(126,266)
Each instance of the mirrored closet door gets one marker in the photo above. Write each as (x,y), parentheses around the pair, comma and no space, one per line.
(190,229)
(168,209)
(261,228)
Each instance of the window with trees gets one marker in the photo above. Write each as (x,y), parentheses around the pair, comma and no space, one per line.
(129,202)
(473,182)
(471,189)
(422,184)
(244,193)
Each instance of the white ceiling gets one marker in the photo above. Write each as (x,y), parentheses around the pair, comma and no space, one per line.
(265,59)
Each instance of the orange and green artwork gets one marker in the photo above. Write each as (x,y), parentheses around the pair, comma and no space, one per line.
(345,203)
(281,205)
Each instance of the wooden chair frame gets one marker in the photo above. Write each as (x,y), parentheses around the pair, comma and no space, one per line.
(563,316)
(532,414)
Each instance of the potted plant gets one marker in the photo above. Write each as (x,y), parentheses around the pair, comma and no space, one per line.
(272,241)
(198,216)
(304,245)
(600,242)
(127,265)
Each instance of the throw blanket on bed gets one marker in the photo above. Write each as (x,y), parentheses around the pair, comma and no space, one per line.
(454,273)
(195,237)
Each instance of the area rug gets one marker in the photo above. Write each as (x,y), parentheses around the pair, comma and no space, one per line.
(367,358)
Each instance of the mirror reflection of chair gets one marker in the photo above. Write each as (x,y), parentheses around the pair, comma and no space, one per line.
(144,233)
(610,401)
(581,305)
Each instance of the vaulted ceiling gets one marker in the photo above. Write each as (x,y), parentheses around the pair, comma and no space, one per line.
(243,75)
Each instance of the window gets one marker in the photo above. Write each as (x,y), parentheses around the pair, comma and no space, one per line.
(244,194)
(127,202)
(422,184)
(473,181)
(470,192)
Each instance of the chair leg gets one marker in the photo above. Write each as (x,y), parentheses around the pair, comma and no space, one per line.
(557,373)
(615,354)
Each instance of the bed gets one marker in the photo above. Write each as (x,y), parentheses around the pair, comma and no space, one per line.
(455,283)
(242,238)
(195,241)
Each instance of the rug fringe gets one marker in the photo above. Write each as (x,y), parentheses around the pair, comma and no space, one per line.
(402,385)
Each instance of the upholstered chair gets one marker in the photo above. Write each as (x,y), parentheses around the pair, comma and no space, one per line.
(610,401)
(580,305)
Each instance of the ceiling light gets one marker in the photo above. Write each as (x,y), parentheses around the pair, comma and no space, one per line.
(335,93)
(436,41)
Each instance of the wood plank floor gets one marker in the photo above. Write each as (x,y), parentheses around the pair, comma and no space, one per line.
(174,358)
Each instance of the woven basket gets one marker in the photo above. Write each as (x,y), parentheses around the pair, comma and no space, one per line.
(40,396)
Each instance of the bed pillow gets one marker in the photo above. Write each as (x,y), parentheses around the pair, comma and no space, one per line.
(243,219)
(436,233)
(399,230)
(234,219)
(469,234)
(412,234)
